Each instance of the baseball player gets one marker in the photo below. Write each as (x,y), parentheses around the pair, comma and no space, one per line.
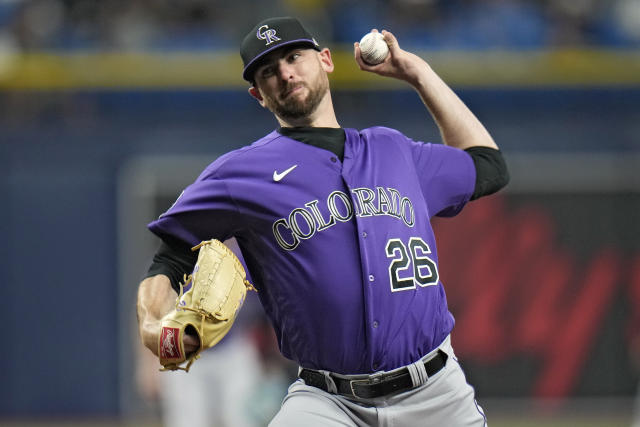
(334,225)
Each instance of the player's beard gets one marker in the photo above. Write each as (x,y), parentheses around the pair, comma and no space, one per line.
(295,107)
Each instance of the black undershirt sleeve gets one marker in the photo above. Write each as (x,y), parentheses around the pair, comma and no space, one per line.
(491,171)
(174,261)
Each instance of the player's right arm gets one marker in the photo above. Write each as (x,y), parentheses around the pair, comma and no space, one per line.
(459,127)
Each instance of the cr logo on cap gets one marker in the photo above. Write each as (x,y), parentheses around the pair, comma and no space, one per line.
(268,34)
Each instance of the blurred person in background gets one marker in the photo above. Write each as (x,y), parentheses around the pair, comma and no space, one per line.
(633,334)
(237,383)
(635,355)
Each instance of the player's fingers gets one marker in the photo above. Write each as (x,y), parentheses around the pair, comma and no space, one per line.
(391,41)
(357,55)
(191,343)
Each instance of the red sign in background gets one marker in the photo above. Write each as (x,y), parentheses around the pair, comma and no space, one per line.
(545,290)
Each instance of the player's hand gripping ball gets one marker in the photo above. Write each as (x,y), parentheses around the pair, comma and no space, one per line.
(373,48)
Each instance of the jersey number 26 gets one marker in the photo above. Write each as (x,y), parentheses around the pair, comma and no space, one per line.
(425,271)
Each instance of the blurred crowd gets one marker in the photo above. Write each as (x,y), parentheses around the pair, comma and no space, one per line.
(213,24)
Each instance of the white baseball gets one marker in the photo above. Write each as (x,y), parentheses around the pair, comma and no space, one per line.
(373,48)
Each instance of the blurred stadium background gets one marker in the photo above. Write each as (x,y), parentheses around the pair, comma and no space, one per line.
(110,107)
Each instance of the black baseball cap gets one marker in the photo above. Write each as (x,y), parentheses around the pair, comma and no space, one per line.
(269,35)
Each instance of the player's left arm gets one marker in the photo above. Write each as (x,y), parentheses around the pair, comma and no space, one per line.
(158,291)
(175,260)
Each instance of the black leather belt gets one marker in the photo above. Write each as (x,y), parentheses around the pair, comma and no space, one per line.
(375,385)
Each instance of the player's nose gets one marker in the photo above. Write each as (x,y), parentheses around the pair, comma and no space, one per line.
(285,70)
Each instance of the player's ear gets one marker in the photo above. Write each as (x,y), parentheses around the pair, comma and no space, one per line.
(325,60)
(255,93)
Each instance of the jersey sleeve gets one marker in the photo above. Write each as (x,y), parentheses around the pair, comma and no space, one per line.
(203,211)
(447,177)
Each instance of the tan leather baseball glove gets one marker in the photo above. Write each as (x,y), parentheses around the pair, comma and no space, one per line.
(207,306)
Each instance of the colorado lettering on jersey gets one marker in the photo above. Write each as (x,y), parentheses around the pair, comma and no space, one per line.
(303,223)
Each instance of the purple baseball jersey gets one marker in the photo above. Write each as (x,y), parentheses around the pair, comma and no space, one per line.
(342,253)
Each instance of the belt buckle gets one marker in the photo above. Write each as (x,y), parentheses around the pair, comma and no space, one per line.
(371,380)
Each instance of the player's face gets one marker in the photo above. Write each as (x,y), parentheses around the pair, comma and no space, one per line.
(292,82)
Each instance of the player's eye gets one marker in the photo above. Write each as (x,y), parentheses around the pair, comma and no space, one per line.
(267,71)
(294,56)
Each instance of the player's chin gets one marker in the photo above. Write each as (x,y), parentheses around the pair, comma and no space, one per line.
(294,111)
(298,93)
(295,103)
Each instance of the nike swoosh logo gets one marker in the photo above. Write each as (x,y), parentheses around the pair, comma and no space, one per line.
(278,176)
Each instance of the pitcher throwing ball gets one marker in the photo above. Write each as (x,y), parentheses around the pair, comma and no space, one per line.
(334,226)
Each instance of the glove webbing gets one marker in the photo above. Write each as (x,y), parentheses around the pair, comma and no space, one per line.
(201,312)
(248,284)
